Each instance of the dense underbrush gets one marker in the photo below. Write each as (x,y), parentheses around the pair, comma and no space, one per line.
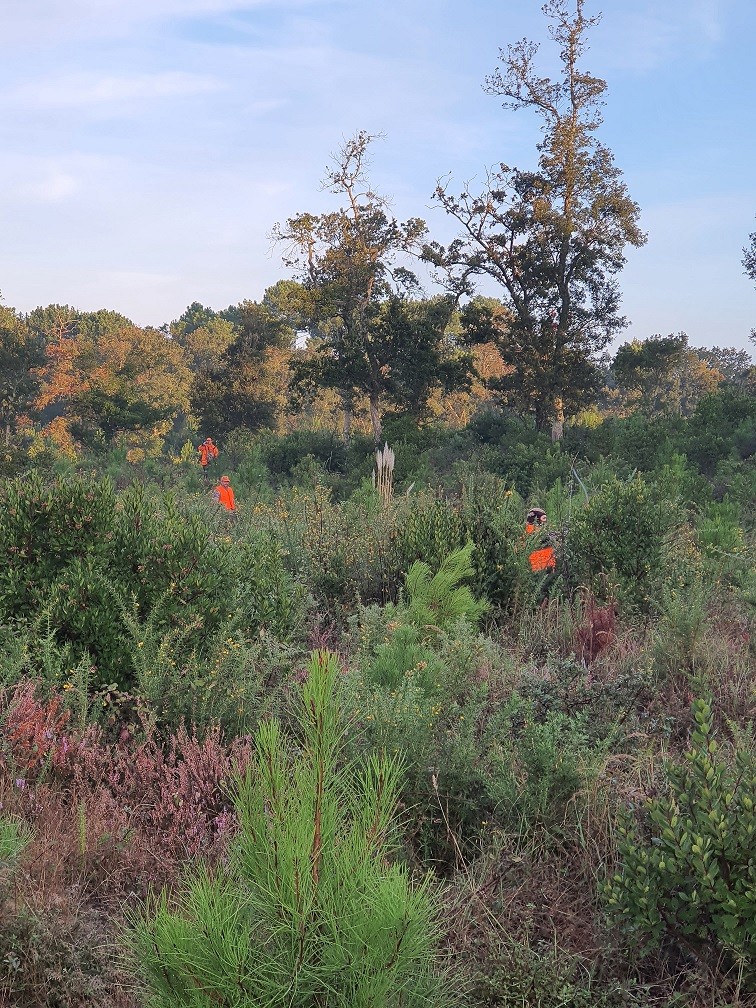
(363,731)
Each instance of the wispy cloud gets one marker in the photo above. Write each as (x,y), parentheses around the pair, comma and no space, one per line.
(37,22)
(50,188)
(81,90)
(653,34)
(708,17)
(30,179)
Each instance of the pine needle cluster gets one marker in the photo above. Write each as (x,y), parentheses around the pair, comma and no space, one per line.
(308,913)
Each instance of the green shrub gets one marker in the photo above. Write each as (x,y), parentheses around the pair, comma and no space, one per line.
(540,767)
(517,974)
(348,551)
(284,454)
(438,738)
(493,517)
(77,553)
(722,423)
(687,873)
(308,911)
(429,529)
(617,539)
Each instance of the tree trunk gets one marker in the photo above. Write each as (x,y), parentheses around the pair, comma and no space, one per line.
(347,420)
(557,424)
(375,419)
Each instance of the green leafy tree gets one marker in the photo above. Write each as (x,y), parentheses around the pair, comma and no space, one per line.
(664,375)
(194,316)
(688,874)
(308,912)
(205,344)
(553,239)
(240,390)
(20,354)
(733,364)
(372,340)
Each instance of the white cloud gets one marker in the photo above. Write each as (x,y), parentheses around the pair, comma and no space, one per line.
(50,188)
(708,18)
(81,90)
(30,179)
(654,34)
(35,22)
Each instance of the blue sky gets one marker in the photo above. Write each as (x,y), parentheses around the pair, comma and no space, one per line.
(149,146)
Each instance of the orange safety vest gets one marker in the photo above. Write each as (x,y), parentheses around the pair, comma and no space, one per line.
(225,496)
(206,452)
(543,559)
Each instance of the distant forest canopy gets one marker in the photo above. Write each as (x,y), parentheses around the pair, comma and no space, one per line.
(86,381)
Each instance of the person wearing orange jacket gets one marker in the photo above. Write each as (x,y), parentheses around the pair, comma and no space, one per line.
(543,558)
(207,452)
(224,495)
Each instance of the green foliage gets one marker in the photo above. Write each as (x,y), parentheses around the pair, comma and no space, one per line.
(678,637)
(429,707)
(201,682)
(438,600)
(541,766)
(72,549)
(720,421)
(282,455)
(429,530)
(619,536)
(343,551)
(719,533)
(403,655)
(688,872)
(516,974)
(477,754)
(493,518)
(308,911)
(15,837)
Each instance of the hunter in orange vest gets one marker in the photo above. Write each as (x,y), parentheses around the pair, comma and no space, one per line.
(207,452)
(543,559)
(224,495)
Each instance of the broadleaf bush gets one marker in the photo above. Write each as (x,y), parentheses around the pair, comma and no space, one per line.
(687,872)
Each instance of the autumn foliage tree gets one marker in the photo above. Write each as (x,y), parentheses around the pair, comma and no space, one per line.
(552,239)
(103,376)
(664,374)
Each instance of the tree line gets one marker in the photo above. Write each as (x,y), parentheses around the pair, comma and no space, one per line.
(352,336)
